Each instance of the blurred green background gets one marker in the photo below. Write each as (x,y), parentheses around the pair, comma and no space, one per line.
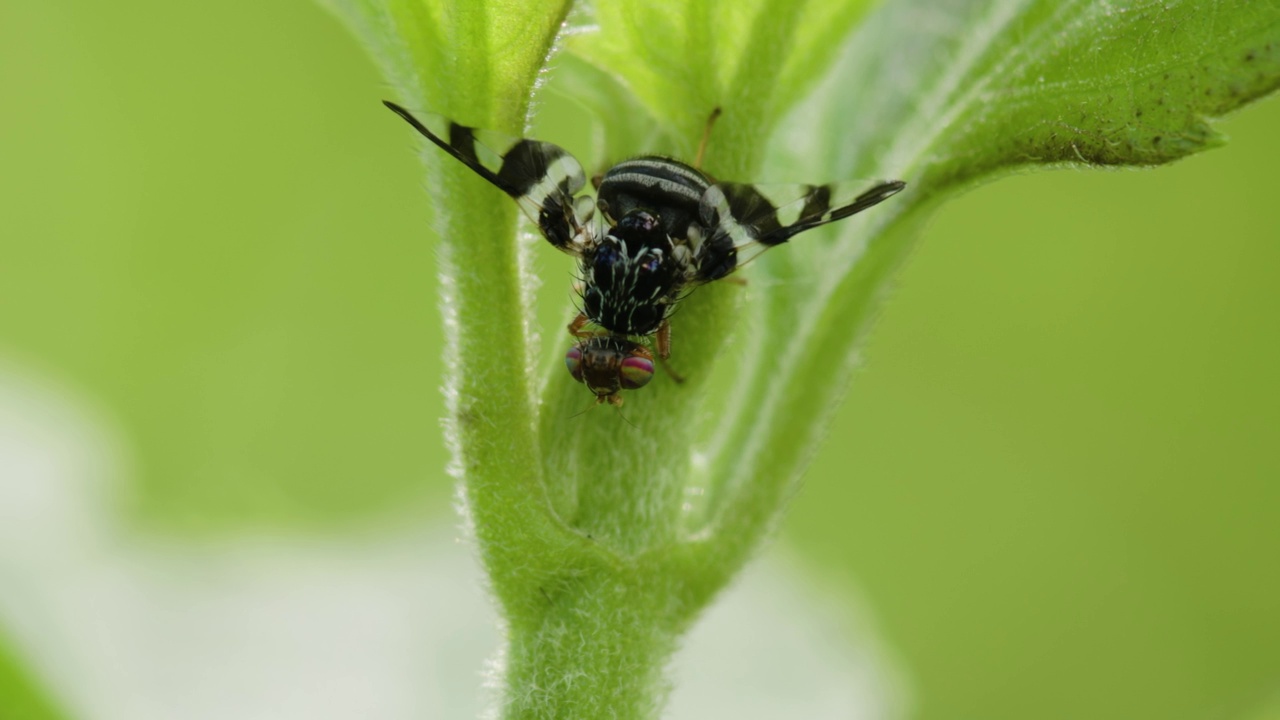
(1056,479)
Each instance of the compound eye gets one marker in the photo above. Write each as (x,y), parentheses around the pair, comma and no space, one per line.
(573,361)
(636,371)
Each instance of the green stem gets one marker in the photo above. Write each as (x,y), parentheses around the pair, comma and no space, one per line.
(596,653)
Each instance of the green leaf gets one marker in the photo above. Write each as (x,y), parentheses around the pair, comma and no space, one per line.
(1000,85)
(605,534)
(753,59)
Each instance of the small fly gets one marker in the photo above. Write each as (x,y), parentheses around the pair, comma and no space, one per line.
(656,229)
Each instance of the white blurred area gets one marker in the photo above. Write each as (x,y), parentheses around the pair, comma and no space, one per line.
(386,624)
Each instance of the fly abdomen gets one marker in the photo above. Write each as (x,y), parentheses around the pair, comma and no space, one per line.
(668,188)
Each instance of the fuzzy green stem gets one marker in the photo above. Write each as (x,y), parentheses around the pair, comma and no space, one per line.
(596,653)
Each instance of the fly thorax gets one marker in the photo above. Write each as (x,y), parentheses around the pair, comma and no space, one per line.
(631,275)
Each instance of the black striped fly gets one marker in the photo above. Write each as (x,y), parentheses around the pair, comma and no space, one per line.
(656,229)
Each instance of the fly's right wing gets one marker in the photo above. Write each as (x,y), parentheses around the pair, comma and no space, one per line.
(744,220)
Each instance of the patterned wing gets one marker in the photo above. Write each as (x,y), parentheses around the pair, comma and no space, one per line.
(541,177)
(745,220)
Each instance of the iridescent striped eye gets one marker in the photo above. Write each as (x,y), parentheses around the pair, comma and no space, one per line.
(636,371)
(573,361)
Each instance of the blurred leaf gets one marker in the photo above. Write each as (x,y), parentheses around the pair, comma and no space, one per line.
(20,698)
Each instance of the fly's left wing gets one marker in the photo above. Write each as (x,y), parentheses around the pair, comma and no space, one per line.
(541,177)
(745,220)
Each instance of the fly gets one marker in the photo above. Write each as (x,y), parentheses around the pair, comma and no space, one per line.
(657,229)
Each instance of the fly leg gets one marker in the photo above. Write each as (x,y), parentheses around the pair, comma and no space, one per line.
(706,136)
(663,341)
(575,327)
